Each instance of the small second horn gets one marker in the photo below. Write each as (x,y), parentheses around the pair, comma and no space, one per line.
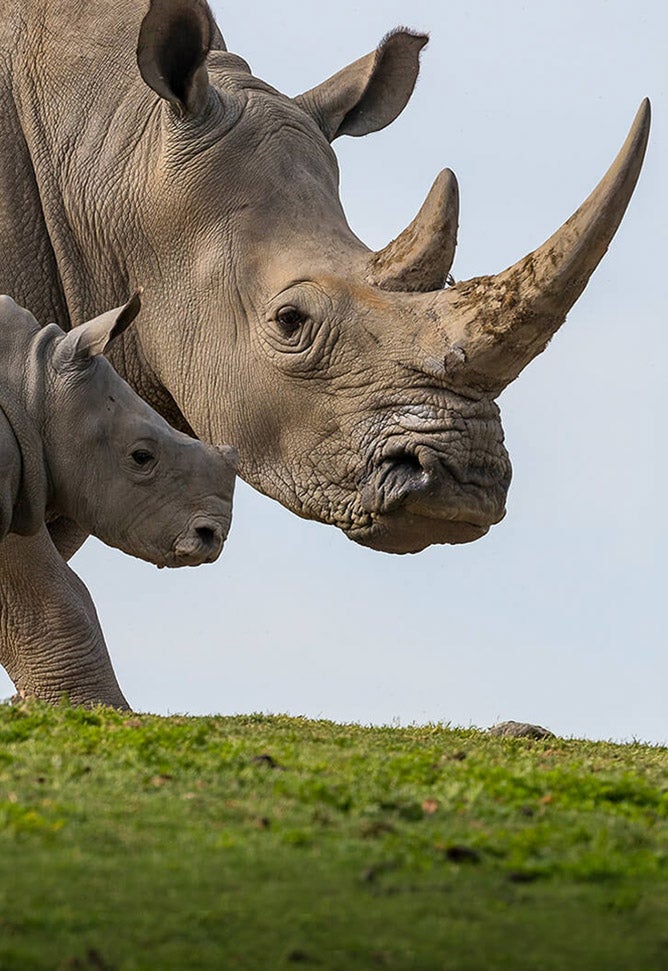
(419,260)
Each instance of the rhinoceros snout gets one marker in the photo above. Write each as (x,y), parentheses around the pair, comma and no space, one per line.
(202,542)
(422,481)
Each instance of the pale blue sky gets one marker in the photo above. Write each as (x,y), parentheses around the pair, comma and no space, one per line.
(556,616)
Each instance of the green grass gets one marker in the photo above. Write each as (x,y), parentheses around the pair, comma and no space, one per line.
(268,843)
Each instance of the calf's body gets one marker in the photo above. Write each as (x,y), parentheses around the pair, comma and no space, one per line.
(77,442)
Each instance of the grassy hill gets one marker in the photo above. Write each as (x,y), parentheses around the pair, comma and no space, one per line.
(138,842)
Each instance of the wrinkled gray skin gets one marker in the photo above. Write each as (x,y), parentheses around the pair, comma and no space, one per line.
(85,446)
(77,441)
(358,392)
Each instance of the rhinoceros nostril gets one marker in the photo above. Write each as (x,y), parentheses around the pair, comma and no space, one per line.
(408,461)
(405,464)
(401,472)
(207,535)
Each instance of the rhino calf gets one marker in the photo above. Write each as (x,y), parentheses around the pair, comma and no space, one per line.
(76,441)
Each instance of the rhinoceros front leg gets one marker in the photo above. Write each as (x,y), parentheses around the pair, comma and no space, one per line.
(51,642)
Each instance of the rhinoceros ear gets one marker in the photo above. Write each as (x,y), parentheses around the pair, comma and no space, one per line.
(174,40)
(370,93)
(90,339)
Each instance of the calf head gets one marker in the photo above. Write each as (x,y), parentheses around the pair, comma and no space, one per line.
(116,467)
(358,390)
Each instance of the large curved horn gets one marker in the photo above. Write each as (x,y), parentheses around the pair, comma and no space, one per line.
(420,258)
(500,323)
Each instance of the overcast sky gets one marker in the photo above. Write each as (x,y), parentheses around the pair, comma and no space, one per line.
(555,617)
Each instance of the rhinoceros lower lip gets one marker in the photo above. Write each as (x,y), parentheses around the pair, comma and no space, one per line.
(173,562)
(412,533)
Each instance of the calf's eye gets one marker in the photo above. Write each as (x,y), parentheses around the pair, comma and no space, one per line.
(141,456)
(289,319)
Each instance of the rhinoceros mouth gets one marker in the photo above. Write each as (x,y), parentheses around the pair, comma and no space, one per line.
(418,495)
(200,541)
(411,533)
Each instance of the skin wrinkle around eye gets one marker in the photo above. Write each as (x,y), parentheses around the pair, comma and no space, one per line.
(310,347)
(144,467)
(290,320)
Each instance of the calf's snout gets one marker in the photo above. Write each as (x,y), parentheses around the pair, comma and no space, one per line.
(202,542)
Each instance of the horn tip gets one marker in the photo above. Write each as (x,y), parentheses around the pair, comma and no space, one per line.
(638,137)
(642,121)
(447,188)
(447,175)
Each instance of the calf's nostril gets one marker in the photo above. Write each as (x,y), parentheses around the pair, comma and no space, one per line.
(206,534)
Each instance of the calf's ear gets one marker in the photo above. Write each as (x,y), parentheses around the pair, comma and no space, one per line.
(174,40)
(90,339)
(370,93)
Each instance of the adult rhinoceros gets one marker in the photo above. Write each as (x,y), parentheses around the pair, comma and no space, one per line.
(358,391)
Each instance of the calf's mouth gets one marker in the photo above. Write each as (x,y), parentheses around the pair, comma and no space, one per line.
(201,541)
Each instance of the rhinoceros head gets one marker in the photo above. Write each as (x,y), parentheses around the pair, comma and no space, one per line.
(358,388)
(116,467)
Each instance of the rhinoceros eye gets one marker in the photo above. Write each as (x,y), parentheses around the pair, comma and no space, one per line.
(142,456)
(289,319)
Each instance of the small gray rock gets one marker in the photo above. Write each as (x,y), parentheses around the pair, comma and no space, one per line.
(520,730)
